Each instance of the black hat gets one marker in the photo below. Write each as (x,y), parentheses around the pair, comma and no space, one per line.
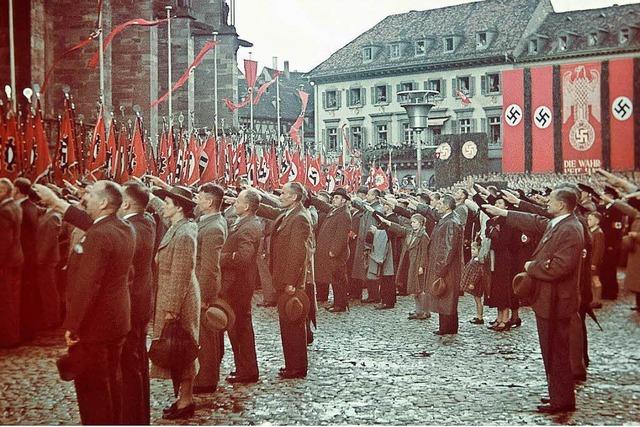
(587,189)
(340,192)
(611,191)
(179,194)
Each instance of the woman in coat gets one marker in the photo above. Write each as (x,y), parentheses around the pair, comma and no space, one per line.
(413,260)
(178,290)
(631,242)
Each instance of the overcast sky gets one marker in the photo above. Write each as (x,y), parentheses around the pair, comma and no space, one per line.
(306,32)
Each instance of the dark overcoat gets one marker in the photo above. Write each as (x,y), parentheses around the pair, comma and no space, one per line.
(415,245)
(444,260)
(333,237)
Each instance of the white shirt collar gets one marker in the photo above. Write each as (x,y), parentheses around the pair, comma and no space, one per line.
(127,216)
(557,219)
(100,218)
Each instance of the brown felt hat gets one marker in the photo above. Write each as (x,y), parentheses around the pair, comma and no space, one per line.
(295,307)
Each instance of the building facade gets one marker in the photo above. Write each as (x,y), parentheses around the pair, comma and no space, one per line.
(461,52)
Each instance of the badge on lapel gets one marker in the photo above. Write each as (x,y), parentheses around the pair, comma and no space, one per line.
(78,249)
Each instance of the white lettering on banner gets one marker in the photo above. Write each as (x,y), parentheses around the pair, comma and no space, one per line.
(582,166)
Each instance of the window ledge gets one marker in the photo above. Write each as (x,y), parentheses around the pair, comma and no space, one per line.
(356,106)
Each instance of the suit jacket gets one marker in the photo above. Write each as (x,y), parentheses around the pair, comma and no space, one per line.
(333,237)
(11,256)
(291,248)
(49,231)
(141,283)
(212,233)
(597,237)
(98,302)
(28,233)
(238,260)
(555,264)
(413,256)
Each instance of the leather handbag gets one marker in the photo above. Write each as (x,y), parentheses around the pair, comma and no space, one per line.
(438,288)
(175,349)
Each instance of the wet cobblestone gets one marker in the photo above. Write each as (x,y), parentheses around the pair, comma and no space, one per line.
(369,366)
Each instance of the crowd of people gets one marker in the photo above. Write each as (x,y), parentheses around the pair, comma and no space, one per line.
(115,264)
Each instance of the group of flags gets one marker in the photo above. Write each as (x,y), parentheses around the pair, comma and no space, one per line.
(119,152)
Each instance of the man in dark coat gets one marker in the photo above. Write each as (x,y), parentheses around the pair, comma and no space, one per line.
(239,275)
(11,260)
(48,259)
(98,315)
(30,308)
(444,258)
(291,238)
(212,233)
(555,271)
(332,251)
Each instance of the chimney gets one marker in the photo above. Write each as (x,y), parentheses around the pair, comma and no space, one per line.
(274,63)
(286,70)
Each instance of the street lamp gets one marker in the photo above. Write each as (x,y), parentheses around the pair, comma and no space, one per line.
(418,103)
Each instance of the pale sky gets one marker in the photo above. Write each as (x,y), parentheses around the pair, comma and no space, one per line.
(306,32)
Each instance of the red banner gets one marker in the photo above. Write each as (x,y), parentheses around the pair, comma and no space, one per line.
(138,158)
(512,121)
(621,113)
(581,117)
(250,72)
(542,119)
(295,128)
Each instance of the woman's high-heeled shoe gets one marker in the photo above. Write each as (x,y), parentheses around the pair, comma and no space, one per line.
(515,323)
(502,326)
(186,412)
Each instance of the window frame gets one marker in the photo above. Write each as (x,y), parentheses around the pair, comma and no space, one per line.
(364,54)
(490,126)
(392,47)
(467,123)
(563,42)
(359,92)
(627,33)
(593,39)
(533,46)
(424,48)
(335,99)
(353,133)
(480,45)
(386,133)
(386,95)
(453,44)
(331,130)
(488,79)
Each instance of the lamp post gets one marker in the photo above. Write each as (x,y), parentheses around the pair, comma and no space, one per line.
(417,104)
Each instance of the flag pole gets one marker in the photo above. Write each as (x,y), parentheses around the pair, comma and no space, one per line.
(344,147)
(168,9)
(275,66)
(12,55)
(251,112)
(101,56)
(215,83)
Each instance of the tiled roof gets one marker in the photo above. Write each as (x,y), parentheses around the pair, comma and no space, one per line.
(289,101)
(507,18)
(606,22)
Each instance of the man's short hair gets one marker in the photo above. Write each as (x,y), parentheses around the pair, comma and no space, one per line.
(449,201)
(214,191)
(425,198)
(253,199)
(436,195)
(465,192)
(113,193)
(567,196)
(138,193)
(376,192)
(299,191)
(6,183)
(23,185)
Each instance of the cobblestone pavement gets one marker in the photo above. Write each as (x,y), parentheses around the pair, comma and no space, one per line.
(374,367)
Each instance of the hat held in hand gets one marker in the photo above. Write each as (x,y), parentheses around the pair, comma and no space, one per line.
(219,316)
(295,307)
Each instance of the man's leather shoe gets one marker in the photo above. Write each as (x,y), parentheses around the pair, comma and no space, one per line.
(335,309)
(186,412)
(545,400)
(550,409)
(204,389)
(383,307)
(242,379)
(288,375)
(634,308)
(370,301)
(171,408)
(438,333)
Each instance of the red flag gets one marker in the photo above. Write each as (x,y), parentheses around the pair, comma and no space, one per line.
(80,45)
(295,128)
(380,180)
(208,45)
(28,146)
(315,180)
(180,156)
(192,169)
(10,160)
(252,169)
(233,107)
(297,171)
(463,98)
(93,62)
(152,163)
(330,178)
(250,72)
(122,157)
(138,159)
(285,167)
(43,158)
(222,159)
(98,148)
(207,159)
(66,164)
(274,178)
(263,172)
(112,151)
(262,89)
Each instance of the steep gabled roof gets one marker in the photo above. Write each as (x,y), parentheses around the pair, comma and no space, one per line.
(507,18)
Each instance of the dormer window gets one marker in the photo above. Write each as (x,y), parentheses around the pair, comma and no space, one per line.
(592,38)
(481,40)
(395,50)
(563,43)
(367,54)
(449,44)
(533,46)
(421,48)
(623,36)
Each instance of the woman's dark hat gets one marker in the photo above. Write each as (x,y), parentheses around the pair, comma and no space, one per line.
(295,307)
(341,192)
(182,195)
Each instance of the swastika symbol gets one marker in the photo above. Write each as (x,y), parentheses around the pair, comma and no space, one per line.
(622,108)
(582,136)
(542,117)
(513,115)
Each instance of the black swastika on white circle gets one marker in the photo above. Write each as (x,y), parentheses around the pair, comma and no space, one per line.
(542,117)
(513,115)
(622,108)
